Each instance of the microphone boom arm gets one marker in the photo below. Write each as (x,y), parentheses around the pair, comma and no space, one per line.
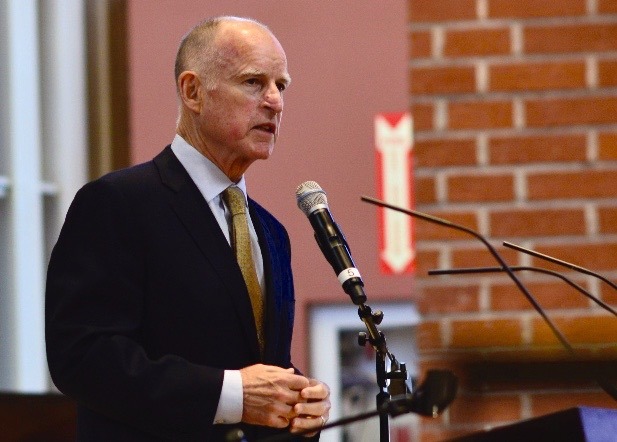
(606,384)
(471,270)
(491,249)
(560,262)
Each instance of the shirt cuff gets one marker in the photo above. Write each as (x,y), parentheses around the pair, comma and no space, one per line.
(229,410)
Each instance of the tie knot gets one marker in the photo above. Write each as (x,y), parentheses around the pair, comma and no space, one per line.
(234,198)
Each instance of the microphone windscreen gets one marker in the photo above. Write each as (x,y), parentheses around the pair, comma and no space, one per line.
(310,197)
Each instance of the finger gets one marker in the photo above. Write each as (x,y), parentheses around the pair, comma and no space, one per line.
(283,422)
(312,409)
(296,382)
(317,391)
(307,423)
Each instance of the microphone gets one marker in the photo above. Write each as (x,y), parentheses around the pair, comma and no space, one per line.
(312,201)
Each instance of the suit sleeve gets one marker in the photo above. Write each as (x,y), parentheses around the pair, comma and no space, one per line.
(94,304)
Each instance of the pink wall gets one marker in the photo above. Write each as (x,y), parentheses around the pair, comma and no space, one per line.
(348,61)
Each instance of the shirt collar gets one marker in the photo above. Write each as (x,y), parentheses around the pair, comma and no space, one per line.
(210,180)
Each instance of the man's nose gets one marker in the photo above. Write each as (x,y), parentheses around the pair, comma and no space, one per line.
(274,98)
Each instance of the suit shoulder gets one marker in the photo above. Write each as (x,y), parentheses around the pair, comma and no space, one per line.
(139,175)
(130,176)
(131,182)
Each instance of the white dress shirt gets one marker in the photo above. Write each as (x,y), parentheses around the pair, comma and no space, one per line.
(211,181)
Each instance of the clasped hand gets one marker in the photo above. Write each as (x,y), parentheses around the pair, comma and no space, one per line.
(279,398)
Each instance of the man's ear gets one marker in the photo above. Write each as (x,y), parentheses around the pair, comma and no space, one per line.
(190,88)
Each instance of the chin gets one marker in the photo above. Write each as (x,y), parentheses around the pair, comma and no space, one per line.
(263,152)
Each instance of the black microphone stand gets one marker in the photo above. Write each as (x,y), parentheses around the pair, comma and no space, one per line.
(391,382)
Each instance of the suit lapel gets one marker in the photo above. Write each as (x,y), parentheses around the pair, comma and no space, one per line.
(194,213)
(273,297)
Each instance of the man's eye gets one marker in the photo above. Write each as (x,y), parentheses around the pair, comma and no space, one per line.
(252,81)
(281,86)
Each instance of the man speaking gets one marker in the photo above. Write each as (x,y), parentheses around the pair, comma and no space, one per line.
(170,302)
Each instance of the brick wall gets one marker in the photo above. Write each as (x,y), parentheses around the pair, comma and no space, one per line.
(515,125)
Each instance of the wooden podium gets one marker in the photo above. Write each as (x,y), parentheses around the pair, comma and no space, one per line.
(37,418)
(571,425)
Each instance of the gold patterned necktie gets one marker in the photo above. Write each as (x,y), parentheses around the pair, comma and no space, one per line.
(241,244)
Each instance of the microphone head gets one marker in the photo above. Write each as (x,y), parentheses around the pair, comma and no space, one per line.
(310,197)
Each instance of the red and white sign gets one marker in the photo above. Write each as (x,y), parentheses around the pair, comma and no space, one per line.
(394,159)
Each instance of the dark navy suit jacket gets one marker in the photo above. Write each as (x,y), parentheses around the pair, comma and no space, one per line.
(146,306)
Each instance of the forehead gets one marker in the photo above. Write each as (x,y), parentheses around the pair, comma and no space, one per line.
(249,47)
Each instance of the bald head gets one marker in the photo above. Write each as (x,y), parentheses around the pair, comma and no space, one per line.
(231,75)
(198,50)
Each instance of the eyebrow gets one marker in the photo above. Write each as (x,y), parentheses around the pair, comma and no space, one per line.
(286,79)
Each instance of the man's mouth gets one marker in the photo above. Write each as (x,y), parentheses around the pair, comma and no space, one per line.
(266,127)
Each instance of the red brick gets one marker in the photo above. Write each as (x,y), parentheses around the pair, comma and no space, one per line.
(607,146)
(426,260)
(442,80)
(570,111)
(481,257)
(607,7)
(480,114)
(422,114)
(537,76)
(539,148)
(535,8)
(570,38)
(565,185)
(441,10)
(428,335)
(608,293)
(486,333)
(607,72)
(596,257)
(485,409)
(549,402)
(425,192)
(545,222)
(420,44)
(429,231)
(607,219)
(550,295)
(477,42)
(477,188)
(445,152)
(447,299)
(577,330)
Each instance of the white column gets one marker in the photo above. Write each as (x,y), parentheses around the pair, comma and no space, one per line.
(46,160)
(24,350)
(65,119)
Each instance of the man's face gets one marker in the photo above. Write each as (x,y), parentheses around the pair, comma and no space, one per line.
(241,115)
